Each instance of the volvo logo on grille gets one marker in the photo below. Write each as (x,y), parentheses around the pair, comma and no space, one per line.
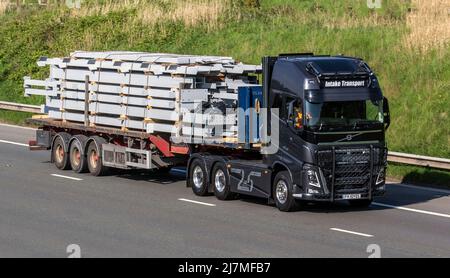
(349,137)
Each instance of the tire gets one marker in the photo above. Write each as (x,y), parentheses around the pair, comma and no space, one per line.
(198,178)
(78,160)
(60,155)
(221,182)
(94,160)
(282,192)
(360,203)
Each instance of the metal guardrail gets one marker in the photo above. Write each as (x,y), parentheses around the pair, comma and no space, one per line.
(404,158)
(419,160)
(20,107)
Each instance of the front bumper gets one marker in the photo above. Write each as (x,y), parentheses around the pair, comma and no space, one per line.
(340,173)
(338,196)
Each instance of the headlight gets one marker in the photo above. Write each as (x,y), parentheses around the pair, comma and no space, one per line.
(380,177)
(313,178)
(374,83)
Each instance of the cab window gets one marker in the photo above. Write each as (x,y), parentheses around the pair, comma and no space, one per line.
(294,112)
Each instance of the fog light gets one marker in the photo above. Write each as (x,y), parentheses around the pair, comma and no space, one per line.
(313,178)
(312,191)
(381,177)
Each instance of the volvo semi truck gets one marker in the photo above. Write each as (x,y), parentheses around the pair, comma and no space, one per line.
(312,131)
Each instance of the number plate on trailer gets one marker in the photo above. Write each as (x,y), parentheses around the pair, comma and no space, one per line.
(351,196)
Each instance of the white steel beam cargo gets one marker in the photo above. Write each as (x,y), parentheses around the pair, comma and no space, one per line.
(157,69)
(113,109)
(152,57)
(137,125)
(114,89)
(150,92)
(121,79)
(124,99)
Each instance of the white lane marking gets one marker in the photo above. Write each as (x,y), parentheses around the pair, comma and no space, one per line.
(420,187)
(412,210)
(66,177)
(14,143)
(350,232)
(196,202)
(17,126)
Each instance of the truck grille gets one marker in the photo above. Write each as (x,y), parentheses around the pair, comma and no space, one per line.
(354,169)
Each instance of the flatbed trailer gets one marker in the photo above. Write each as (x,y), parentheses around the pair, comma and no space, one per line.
(305,134)
(128,149)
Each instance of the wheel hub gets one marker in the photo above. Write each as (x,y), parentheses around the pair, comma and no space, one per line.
(59,153)
(197,176)
(76,157)
(281,191)
(219,180)
(93,158)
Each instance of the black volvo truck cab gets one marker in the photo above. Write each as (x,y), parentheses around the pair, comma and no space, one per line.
(330,145)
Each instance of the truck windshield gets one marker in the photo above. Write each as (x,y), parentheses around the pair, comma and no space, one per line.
(343,113)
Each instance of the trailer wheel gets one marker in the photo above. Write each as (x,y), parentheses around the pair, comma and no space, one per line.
(77,157)
(282,192)
(360,203)
(221,182)
(198,179)
(59,154)
(94,160)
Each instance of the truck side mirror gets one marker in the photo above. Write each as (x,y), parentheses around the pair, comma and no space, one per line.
(386,113)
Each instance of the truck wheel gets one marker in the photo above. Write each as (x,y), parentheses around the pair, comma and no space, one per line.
(282,192)
(77,158)
(221,182)
(59,154)
(198,178)
(360,203)
(94,160)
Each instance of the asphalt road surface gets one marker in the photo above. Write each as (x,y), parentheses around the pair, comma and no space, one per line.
(44,211)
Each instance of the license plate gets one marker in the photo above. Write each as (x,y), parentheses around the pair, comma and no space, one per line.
(351,196)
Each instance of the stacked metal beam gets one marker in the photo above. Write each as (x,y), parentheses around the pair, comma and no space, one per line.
(151,92)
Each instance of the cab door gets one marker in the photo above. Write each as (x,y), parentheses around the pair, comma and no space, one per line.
(291,125)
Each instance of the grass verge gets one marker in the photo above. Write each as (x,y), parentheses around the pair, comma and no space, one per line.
(418,175)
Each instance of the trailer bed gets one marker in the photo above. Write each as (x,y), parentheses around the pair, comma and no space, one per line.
(56,123)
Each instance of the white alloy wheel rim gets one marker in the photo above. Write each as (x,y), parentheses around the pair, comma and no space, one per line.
(219,180)
(282,191)
(197,176)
